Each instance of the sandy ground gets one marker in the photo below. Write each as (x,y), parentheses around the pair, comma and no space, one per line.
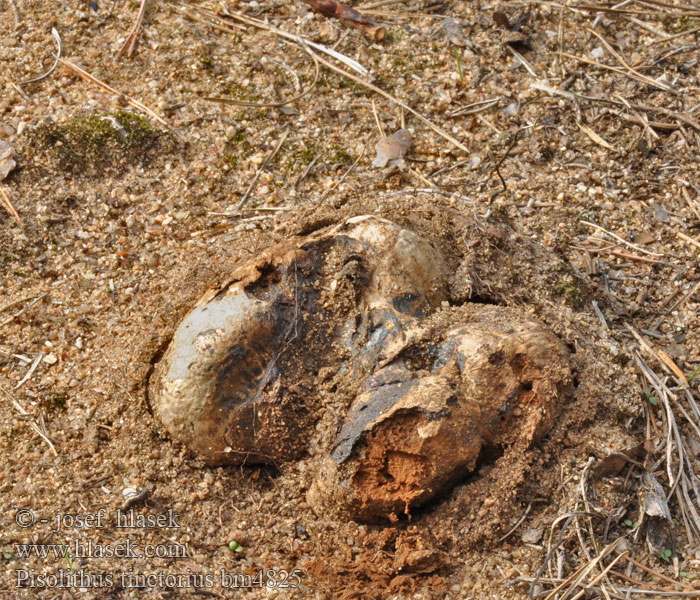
(127,220)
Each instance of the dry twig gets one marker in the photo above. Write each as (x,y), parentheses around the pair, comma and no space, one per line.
(621,240)
(40,429)
(632,72)
(128,99)
(262,168)
(59,49)
(349,62)
(683,118)
(129,44)
(347,14)
(332,67)
(7,204)
(688,239)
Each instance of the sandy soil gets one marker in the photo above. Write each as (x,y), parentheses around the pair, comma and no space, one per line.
(126,222)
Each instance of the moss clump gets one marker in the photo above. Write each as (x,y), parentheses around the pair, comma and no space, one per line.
(299,157)
(237,147)
(339,155)
(567,287)
(682,24)
(59,401)
(94,144)
(246,94)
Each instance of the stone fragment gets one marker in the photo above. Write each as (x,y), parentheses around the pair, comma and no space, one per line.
(7,162)
(532,535)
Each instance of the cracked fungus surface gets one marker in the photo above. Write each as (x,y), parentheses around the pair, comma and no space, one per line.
(430,396)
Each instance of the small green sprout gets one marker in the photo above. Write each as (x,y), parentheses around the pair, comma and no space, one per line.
(67,557)
(650,396)
(234,546)
(458,58)
(630,523)
(666,555)
(694,374)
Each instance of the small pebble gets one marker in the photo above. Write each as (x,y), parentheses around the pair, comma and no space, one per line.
(532,536)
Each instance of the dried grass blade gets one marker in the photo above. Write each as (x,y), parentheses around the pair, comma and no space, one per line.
(577,577)
(442,133)
(632,71)
(595,137)
(304,93)
(52,68)
(7,203)
(619,239)
(668,361)
(630,74)
(351,63)
(131,101)
(688,239)
(129,44)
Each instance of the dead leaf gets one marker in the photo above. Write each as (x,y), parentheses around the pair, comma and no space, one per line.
(668,361)
(454,33)
(644,238)
(656,514)
(393,147)
(595,137)
(654,498)
(7,163)
(613,463)
(500,18)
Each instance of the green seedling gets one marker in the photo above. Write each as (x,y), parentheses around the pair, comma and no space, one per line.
(694,374)
(235,547)
(67,557)
(630,523)
(650,396)
(666,555)
(458,58)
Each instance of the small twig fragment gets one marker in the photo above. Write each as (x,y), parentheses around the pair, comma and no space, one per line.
(31,370)
(595,137)
(688,239)
(135,103)
(16,14)
(7,204)
(129,44)
(347,14)
(59,49)
(262,168)
(619,239)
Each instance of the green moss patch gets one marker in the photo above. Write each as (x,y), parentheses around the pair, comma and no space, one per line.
(106,142)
